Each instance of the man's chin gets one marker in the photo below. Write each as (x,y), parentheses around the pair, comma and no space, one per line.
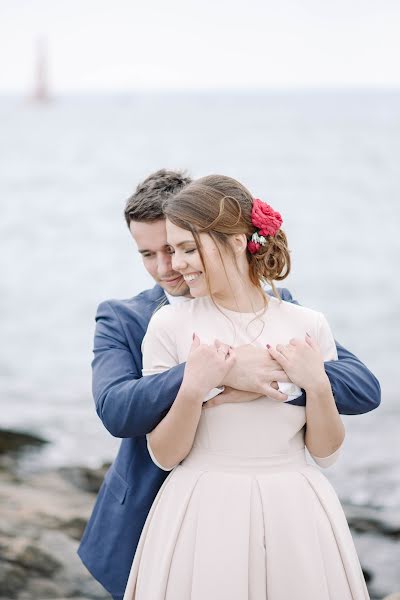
(180,289)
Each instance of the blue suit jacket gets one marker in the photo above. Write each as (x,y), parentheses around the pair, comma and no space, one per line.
(131,406)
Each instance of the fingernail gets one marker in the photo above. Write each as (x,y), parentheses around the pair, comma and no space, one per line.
(193,336)
(268,346)
(308,334)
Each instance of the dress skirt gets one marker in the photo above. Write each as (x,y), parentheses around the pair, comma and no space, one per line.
(226,527)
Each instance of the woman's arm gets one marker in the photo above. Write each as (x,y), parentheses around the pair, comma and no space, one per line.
(171,440)
(303,361)
(325,431)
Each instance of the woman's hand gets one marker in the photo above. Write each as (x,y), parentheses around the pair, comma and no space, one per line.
(302,361)
(206,367)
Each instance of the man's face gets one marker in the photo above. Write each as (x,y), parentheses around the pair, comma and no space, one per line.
(151,240)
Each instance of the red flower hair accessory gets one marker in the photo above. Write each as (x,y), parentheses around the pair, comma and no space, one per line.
(267,221)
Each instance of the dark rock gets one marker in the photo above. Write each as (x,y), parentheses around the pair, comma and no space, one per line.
(364,519)
(84,478)
(16,441)
(74,527)
(35,559)
(12,580)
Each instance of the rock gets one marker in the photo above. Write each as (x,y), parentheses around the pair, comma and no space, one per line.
(16,441)
(380,557)
(365,519)
(84,478)
(42,518)
(74,527)
(34,558)
(12,580)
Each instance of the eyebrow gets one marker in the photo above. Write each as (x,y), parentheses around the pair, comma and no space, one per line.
(185,242)
(147,250)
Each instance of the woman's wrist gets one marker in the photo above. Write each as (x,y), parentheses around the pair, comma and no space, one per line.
(192,392)
(319,386)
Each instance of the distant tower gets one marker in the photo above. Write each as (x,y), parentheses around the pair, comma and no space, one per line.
(41,89)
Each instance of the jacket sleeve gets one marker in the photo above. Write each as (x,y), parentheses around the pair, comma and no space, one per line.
(128,404)
(355,388)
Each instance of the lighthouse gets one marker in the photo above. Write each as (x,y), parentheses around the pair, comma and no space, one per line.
(41,84)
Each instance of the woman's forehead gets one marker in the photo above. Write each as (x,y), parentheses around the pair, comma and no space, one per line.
(177,235)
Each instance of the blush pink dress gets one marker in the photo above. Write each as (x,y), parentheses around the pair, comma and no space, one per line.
(247,515)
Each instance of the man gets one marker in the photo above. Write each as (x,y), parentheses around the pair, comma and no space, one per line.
(131,406)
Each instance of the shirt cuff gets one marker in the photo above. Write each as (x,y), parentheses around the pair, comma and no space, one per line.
(214,392)
(290,389)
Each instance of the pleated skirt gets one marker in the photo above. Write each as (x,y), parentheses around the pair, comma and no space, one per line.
(239,528)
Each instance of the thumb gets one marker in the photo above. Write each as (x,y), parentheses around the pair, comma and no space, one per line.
(217,344)
(196,342)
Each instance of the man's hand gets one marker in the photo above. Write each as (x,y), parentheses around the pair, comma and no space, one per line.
(229,395)
(254,371)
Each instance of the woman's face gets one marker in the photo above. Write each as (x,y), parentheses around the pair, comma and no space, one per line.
(186,260)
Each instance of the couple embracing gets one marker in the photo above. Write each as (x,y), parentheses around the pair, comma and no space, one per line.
(218,382)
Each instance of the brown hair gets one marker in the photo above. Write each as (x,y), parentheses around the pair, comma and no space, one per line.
(221,206)
(146,204)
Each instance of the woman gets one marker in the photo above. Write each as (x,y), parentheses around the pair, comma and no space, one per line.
(242,516)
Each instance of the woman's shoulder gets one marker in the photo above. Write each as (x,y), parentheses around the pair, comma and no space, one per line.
(295,311)
(174,313)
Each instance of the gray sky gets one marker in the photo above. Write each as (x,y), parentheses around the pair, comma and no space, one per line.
(121,45)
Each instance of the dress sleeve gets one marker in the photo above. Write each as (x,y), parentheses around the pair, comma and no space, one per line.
(328,349)
(159,354)
(159,345)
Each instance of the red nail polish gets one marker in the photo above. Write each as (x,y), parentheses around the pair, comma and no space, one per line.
(268,346)
(193,336)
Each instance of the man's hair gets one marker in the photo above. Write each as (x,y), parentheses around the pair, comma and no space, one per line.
(146,204)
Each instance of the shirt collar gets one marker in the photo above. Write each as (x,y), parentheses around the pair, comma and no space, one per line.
(176,299)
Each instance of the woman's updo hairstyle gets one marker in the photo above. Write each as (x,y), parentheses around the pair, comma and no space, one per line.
(221,207)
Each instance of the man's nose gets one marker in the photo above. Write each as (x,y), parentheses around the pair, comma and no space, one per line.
(164,264)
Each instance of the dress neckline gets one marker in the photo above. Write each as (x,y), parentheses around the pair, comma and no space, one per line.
(255,313)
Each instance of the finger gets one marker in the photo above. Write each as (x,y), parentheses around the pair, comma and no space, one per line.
(231,356)
(221,347)
(285,349)
(279,376)
(294,341)
(275,394)
(196,341)
(311,342)
(280,358)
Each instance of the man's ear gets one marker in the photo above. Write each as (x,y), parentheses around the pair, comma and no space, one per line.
(239,243)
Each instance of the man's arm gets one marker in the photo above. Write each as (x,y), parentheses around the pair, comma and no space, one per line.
(355,388)
(127,403)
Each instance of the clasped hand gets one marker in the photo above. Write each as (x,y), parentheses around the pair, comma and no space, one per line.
(249,372)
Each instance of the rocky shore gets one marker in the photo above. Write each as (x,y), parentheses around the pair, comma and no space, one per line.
(44,514)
